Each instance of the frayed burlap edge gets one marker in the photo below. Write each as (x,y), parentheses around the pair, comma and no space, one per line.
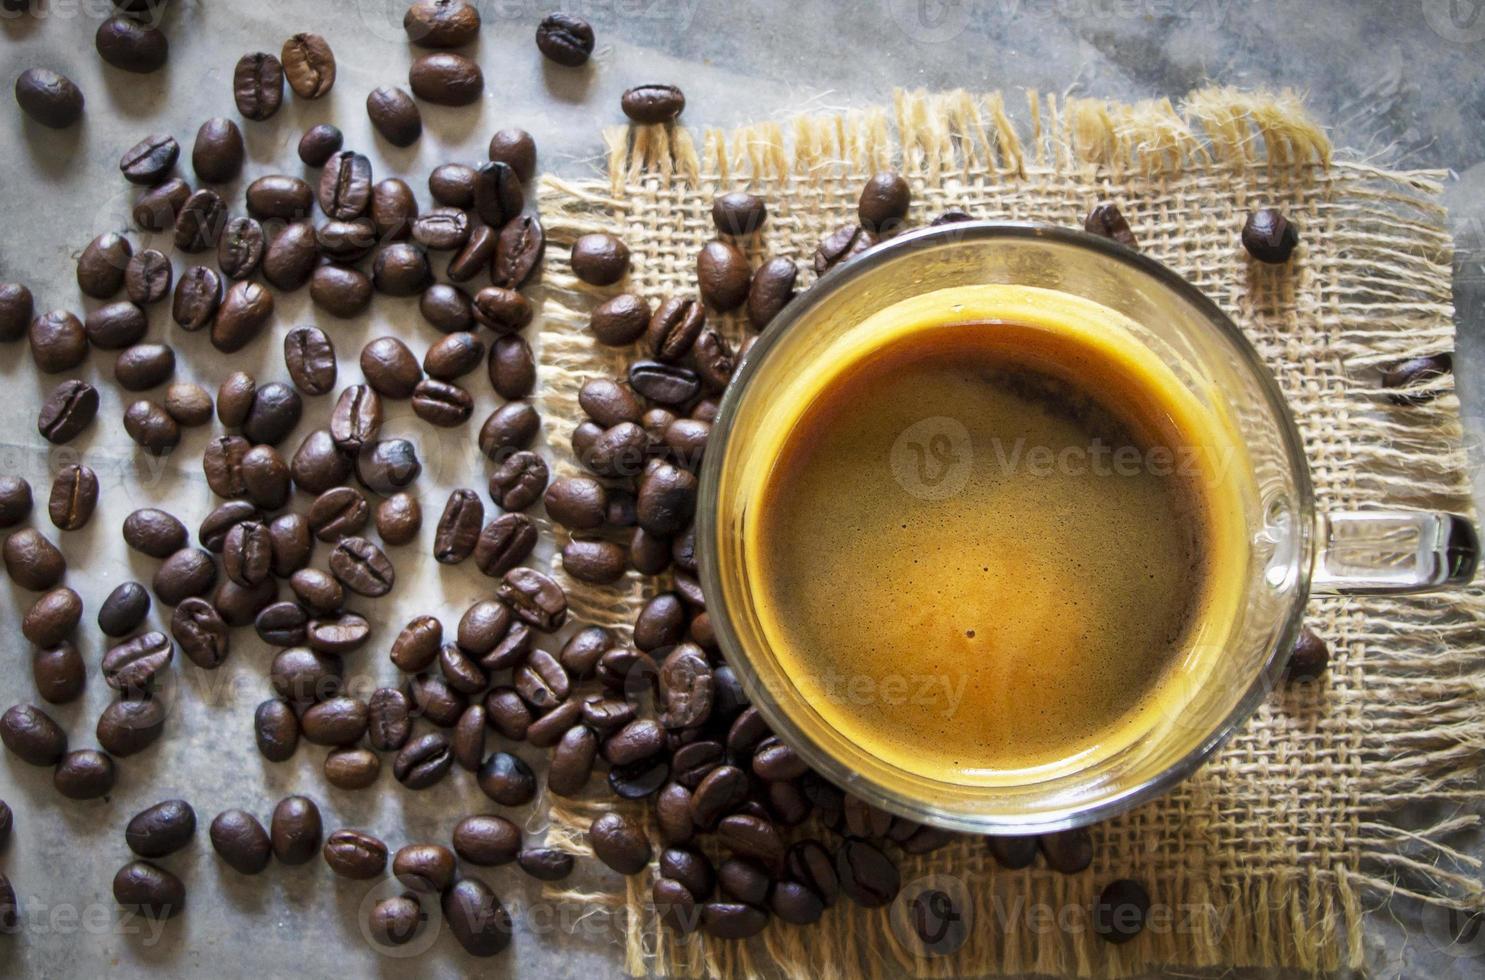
(1418,731)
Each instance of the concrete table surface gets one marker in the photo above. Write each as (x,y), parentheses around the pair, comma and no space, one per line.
(1401,80)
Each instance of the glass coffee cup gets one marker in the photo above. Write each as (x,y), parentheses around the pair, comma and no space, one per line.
(1293,550)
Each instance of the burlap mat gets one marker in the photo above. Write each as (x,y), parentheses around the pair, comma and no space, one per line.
(1271,853)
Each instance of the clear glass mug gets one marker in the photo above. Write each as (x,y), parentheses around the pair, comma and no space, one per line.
(1294,551)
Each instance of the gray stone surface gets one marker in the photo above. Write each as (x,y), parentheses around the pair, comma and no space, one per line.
(1401,81)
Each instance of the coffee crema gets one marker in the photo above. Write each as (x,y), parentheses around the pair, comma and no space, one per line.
(997,538)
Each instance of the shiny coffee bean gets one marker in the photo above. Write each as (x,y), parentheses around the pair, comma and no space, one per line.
(240,840)
(345,186)
(309,65)
(519,481)
(124,609)
(131,45)
(620,321)
(504,543)
(198,295)
(619,843)
(74,497)
(258,85)
(276,730)
(340,291)
(653,104)
(157,208)
(58,341)
(388,719)
(143,889)
(352,769)
(446,78)
(1269,236)
(355,854)
(32,561)
(218,152)
(398,518)
(599,259)
(423,761)
(487,840)
(148,277)
(518,252)
(290,258)
(201,633)
(51,99)
(319,143)
(441,403)
(723,276)
(394,115)
(84,774)
(507,780)
(295,829)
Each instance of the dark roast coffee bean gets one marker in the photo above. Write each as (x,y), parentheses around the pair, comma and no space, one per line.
(581,652)
(218,152)
(295,829)
(772,289)
(534,598)
(738,213)
(100,267)
(795,904)
(189,572)
(504,543)
(453,356)
(316,591)
(723,276)
(1309,658)
(147,277)
(344,633)
(674,328)
(125,608)
(1069,851)
(265,478)
(32,561)
(417,645)
(840,246)
(572,761)
(275,411)
(675,905)
(1120,912)
(619,843)
(73,499)
(666,499)
(673,814)
(426,868)
(458,527)
(545,863)
(84,774)
(640,779)
(721,791)
(387,465)
(476,918)
(1269,236)
(862,819)
(291,257)
(240,840)
(318,465)
(155,533)
(1012,853)
(546,731)
(423,761)
(436,701)
(143,889)
(452,184)
(1106,221)
(600,260)
(399,518)
(666,384)
(310,357)
(334,721)
(347,241)
(461,671)
(52,618)
(401,269)
(866,875)
(689,868)
(245,311)
(151,427)
(441,23)
(388,719)
(68,410)
(732,920)
(483,626)
(1408,381)
(652,104)
(289,536)
(49,98)
(157,208)
(309,65)
(161,829)
(565,39)
(345,186)
(133,665)
(337,513)
(114,326)
(498,196)
(487,840)
(394,115)
(507,780)
(17,306)
(445,78)
(235,398)
(239,605)
(283,624)
(473,257)
(639,740)
(594,562)
(197,296)
(884,202)
(340,291)
(621,320)
(541,682)
(15,500)
(32,735)
(687,689)
(518,252)
(361,567)
(752,837)
(511,427)
(441,403)
(58,341)
(512,367)
(810,864)
(355,854)
(201,633)
(131,45)
(144,366)
(507,713)
(201,223)
(441,229)
(319,142)
(519,481)
(279,196)
(188,403)
(214,527)
(469,738)
(258,85)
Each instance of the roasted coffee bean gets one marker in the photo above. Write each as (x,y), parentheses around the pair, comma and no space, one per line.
(417,645)
(240,840)
(732,920)
(738,213)
(283,624)
(32,735)
(275,411)
(1069,851)
(84,774)
(125,608)
(534,598)
(713,361)
(188,572)
(157,208)
(423,761)
(345,186)
(32,561)
(565,39)
(357,417)
(594,562)
(687,690)
(884,202)
(1106,221)
(572,761)
(295,829)
(352,768)
(390,369)
(318,592)
(68,410)
(335,721)
(507,713)
(162,829)
(188,403)
(472,258)
(441,23)
(218,151)
(15,500)
(673,814)
(319,465)
(1309,658)
(427,868)
(600,260)
(51,99)
(772,289)
(721,791)
(144,366)
(147,277)
(461,671)
(723,276)
(810,864)
(519,481)
(447,308)
(518,252)
(17,306)
(665,384)
(686,439)
(319,142)
(214,527)
(144,889)
(388,719)
(691,869)
(640,779)
(797,905)
(201,223)
(235,398)
(627,671)
(862,819)
(115,326)
(619,451)
(198,295)
(387,465)
(340,291)
(355,854)
(279,196)
(504,543)
(866,875)
(512,367)
(458,527)
(310,358)
(52,618)
(674,328)
(452,184)
(265,478)
(1012,853)
(541,681)
(509,428)
(394,115)
(258,85)
(58,341)
(608,403)
(393,209)
(840,246)
(487,840)
(621,320)
(498,196)
(291,257)
(483,625)
(1269,236)
(441,229)
(130,725)
(453,356)
(675,905)
(619,843)
(442,404)
(547,731)
(309,65)
(469,738)
(652,104)
(201,632)
(476,918)
(399,518)
(395,921)
(666,499)
(1409,381)
(133,665)
(361,567)
(240,605)
(1120,912)
(131,45)
(516,149)
(545,863)
(155,533)
(752,837)
(606,715)
(445,78)
(507,780)
(245,311)
(436,701)
(100,267)
(73,499)
(639,740)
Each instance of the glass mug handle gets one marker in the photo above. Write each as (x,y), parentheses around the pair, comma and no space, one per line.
(1392,552)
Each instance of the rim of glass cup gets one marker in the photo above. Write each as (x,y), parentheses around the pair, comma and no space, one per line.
(1054,817)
